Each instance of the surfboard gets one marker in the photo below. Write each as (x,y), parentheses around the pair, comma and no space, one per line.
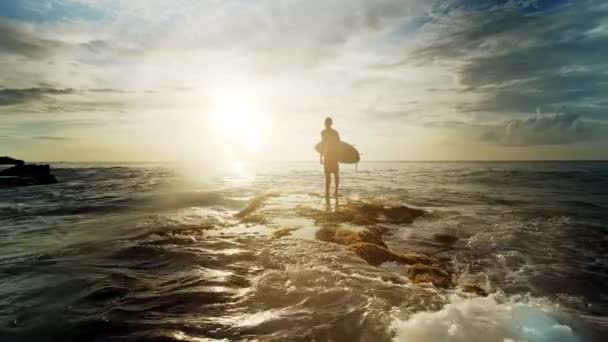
(348,153)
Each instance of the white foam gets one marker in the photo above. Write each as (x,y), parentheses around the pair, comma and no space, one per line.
(486,319)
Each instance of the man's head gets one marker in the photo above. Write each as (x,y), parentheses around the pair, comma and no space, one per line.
(328,122)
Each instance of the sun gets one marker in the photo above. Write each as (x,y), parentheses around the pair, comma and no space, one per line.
(235,115)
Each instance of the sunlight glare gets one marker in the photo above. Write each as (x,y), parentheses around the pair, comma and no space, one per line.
(235,114)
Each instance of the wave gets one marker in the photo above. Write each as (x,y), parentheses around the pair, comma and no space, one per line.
(147,203)
(487,319)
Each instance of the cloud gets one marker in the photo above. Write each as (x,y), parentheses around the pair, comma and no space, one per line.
(479,67)
(555,129)
(516,62)
(21,39)
(47,100)
(10,96)
(540,130)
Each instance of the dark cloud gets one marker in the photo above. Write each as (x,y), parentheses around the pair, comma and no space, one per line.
(10,96)
(518,62)
(541,130)
(55,100)
(20,39)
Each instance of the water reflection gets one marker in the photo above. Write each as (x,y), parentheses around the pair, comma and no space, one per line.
(328,203)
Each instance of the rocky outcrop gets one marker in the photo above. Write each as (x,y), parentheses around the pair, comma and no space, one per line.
(367,243)
(445,239)
(423,273)
(24,174)
(362,214)
(360,227)
(10,161)
(349,236)
(376,255)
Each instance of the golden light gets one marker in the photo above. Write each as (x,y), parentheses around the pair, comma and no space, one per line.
(236,118)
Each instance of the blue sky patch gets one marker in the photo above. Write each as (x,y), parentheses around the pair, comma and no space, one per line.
(48,11)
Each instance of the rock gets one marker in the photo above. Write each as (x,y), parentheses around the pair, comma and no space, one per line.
(26,174)
(475,289)
(397,214)
(445,238)
(373,254)
(475,283)
(421,273)
(376,255)
(361,214)
(10,161)
(279,233)
(349,236)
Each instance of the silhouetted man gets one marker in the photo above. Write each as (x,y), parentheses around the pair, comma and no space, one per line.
(329,155)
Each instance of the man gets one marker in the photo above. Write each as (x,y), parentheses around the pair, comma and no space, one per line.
(329,155)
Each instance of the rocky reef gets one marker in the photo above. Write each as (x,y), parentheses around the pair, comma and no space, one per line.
(367,243)
(360,227)
(10,161)
(22,174)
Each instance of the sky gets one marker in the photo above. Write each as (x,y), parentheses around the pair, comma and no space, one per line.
(207,80)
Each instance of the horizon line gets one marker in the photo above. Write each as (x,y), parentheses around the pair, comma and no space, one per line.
(309,161)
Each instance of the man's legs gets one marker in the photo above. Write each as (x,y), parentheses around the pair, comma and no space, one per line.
(337,177)
(327,183)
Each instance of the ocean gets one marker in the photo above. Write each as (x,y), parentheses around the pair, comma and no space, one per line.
(149,252)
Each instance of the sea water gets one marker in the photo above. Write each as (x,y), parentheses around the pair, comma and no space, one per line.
(148,252)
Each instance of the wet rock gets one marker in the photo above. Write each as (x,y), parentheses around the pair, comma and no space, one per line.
(445,238)
(392,279)
(421,273)
(349,236)
(279,233)
(376,255)
(394,214)
(10,161)
(474,289)
(474,283)
(26,174)
(13,324)
(361,214)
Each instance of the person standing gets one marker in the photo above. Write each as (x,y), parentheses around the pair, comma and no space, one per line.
(329,156)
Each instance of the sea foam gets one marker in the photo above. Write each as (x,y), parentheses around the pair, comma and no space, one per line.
(486,319)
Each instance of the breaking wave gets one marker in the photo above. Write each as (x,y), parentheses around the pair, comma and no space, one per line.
(487,319)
